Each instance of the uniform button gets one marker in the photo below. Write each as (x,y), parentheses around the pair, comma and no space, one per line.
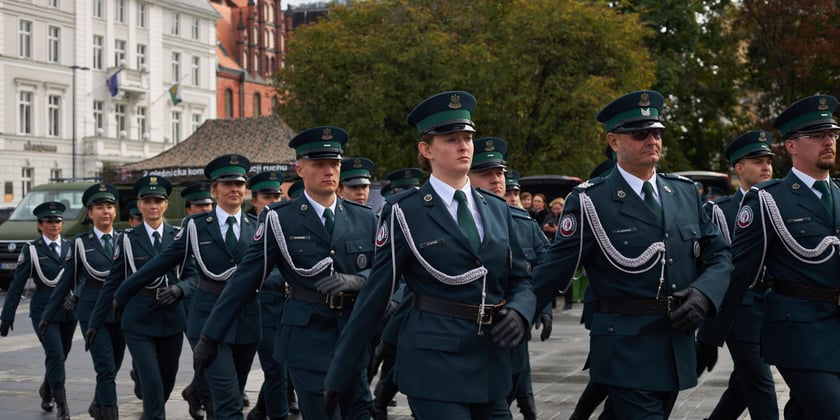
(802,231)
(359,247)
(611,329)
(666,236)
(332,252)
(670,260)
(674,286)
(626,242)
(787,315)
(478,263)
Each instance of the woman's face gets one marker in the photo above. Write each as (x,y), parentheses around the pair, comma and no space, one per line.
(557,208)
(538,203)
(526,201)
(450,155)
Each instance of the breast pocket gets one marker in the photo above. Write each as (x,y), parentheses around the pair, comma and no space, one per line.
(630,241)
(361,250)
(304,246)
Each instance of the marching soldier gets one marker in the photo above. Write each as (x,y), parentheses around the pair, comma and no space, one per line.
(87,264)
(217,241)
(654,261)
(295,190)
(404,179)
(323,247)
(272,402)
(134,216)
(472,298)
(41,260)
(488,172)
(751,383)
(197,198)
(355,179)
(153,319)
(790,225)
(512,188)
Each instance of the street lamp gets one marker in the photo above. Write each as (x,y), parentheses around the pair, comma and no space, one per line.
(75,67)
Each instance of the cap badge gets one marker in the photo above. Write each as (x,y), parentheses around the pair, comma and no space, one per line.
(407,174)
(762,136)
(644,99)
(455,101)
(102,187)
(645,112)
(234,160)
(327,134)
(823,105)
(272,176)
(52,206)
(357,163)
(621,194)
(153,180)
(489,146)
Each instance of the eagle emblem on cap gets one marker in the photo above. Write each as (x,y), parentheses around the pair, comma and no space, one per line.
(234,160)
(52,206)
(357,163)
(455,101)
(327,134)
(489,146)
(823,104)
(644,99)
(645,112)
(273,176)
(102,187)
(762,136)
(153,180)
(407,174)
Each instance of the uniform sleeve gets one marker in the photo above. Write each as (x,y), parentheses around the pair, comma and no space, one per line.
(104,303)
(175,253)
(261,257)
(520,296)
(189,278)
(23,271)
(715,261)
(65,284)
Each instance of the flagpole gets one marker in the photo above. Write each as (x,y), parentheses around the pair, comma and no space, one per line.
(165,92)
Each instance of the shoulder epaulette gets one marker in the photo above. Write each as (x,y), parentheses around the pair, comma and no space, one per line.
(765,184)
(722,199)
(127,230)
(401,195)
(486,193)
(278,204)
(253,217)
(520,213)
(677,177)
(589,183)
(357,204)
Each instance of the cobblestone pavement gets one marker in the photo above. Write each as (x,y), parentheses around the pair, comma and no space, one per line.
(556,375)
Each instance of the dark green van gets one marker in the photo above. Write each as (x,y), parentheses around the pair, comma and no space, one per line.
(21,227)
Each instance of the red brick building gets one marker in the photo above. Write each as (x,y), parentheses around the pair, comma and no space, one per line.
(250,47)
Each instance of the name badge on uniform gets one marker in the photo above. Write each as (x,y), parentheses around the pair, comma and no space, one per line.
(696,249)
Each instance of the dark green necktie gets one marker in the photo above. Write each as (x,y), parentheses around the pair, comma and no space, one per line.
(650,201)
(109,247)
(230,236)
(52,248)
(329,220)
(156,243)
(466,221)
(822,187)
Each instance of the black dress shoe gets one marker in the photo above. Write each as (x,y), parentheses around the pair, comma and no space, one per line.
(138,391)
(95,410)
(46,397)
(189,394)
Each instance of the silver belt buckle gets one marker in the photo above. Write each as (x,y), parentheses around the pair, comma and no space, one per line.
(335,301)
(157,295)
(486,318)
(670,302)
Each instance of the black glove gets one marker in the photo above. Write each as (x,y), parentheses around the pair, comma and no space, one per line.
(383,351)
(70,303)
(692,312)
(90,336)
(338,283)
(5,326)
(707,355)
(169,295)
(544,320)
(42,328)
(390,309)
(118,309)
(331,399)
(508,328)
(204,353)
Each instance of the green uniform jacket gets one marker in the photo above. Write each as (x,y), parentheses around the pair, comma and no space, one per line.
(639,351)
(439,357)
(50,266)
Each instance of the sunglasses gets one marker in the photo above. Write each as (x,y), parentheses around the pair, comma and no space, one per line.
(640,135)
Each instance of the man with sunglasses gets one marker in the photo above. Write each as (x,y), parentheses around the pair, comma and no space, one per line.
(790,226)
(657,265)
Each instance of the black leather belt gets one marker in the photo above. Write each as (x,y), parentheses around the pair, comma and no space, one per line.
(214,287)
(93,283)
(762,287)
(149,292)
(638,306)
(340,301)
(819,294)
(41,287)
(457,310)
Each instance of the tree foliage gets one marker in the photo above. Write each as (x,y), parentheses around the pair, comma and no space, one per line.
(540,69)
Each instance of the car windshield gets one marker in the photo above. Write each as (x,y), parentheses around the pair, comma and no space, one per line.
(72,200)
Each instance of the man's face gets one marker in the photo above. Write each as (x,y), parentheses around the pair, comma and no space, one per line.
(134,221)
(228,194)
(450,155)
(753,170)
(260,200)
(103,215)
(320,176)
(492,180)
(50,227)
(199,208)
(152,209)
(813,151)
(357,193)
(512,198)
(638,149)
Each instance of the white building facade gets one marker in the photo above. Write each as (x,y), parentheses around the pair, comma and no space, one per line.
(60,119)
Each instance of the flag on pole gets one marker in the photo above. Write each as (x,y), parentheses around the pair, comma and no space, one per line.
(113,83)
(175,93)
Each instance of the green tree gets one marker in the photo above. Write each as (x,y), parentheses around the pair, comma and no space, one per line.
(540,69)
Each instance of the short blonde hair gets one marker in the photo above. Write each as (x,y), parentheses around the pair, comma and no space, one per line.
(559,200)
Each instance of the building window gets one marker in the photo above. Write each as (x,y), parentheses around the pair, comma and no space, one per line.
(141,15)
(141,57)
(54,46)
(196,28)
(24,112)
(55,174)
(257,105)
(25,35)
(176,66)
(119,11)
(176,24)
(98,43)
(8,191)
(120,117)
(53,3)
(141,122)
(228,103)
(97,8)
(176,127)
(98,120)
(26,174)
(256,64)
(119,52)
(54,115)
(196,122)
(196,70)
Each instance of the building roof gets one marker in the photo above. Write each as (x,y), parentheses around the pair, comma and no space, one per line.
(200,6)
(263,140)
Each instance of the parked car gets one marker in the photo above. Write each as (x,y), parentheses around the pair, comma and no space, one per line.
(551,186)
(5,213)
(715,184)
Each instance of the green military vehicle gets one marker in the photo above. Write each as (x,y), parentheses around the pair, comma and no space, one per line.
(21,227)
